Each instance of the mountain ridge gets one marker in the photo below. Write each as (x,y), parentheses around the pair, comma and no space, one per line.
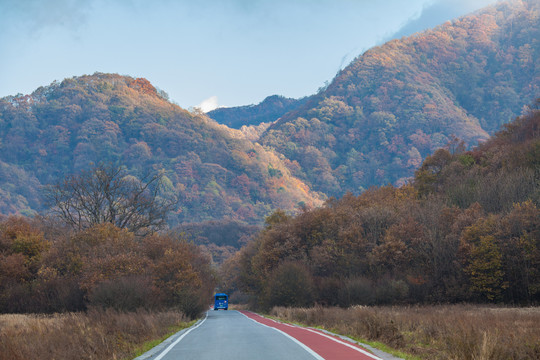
(372,125)
(398,102)
(267,111)
(69,126)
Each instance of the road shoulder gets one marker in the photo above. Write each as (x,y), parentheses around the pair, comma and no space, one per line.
(158,349)
(379,353)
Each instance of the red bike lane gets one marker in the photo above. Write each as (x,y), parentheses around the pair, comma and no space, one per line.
(326,346)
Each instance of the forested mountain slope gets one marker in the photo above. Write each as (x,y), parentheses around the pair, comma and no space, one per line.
(467,229)
(68,126)
(373,125)
(268,110)
(396,103)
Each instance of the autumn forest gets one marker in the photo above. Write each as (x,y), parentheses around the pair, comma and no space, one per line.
(413,177)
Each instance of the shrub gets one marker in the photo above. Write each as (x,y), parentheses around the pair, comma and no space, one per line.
(57,295)
(191,302)
(290,285)
(327,288)
(391,291)
(356,291)
(125,294)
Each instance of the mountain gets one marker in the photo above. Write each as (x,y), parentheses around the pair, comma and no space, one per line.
(69,126)
(396,103)
(373,125)
(496,175)
(267,111)
(467,229)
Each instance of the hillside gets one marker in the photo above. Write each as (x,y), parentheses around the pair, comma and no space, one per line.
(373,125)
(66,127)
(466,230)
(267,111)
(396,103)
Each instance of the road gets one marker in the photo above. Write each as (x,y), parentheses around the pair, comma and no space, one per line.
(244,335)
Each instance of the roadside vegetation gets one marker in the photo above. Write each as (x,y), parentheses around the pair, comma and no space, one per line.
(96,334)
(43,270)
(96,280)
(465,332)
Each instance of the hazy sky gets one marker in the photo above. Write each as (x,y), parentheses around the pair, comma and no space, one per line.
(233,52)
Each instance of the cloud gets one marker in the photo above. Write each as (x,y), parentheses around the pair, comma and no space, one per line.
(209,104)
(438,12)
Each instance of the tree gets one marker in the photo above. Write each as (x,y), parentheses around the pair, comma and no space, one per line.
(107,194)
(482,258)
(290,284)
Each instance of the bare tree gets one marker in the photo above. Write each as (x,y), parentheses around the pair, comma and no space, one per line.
(107,194)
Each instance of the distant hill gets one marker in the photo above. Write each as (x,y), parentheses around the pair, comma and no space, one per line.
(269,110)
(396,103)
(70,125)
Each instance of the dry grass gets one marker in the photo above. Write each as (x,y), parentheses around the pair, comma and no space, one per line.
(434,332)
(92,335)
(238,306)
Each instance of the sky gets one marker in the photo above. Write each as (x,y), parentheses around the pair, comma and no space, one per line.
(205,53)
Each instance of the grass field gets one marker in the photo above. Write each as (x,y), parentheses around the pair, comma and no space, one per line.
(93,335)
(433,332)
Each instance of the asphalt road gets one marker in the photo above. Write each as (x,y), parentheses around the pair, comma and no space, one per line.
(231,335)
(242,335)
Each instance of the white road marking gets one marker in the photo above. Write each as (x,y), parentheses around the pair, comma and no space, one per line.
(345,343)
(311,352)
(180,338)
(320,333)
